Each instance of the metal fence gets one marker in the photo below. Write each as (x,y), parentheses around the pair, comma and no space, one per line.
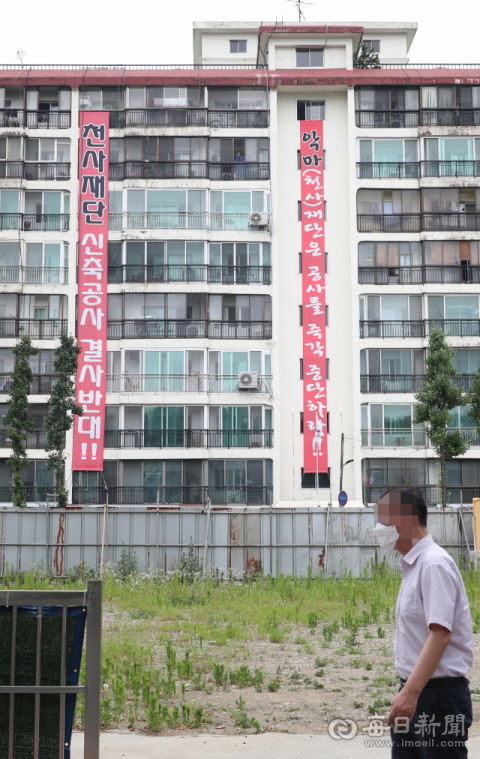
(42,667)
(278,540)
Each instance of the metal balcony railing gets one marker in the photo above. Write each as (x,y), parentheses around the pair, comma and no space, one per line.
(228,222)
(198,495)
(406,222)
(38,329)
(166,438)
(420,328)
(224,275)
(387,170)
(423,117)
(394,438)
(155,117)
(46,222)
(18,117)
(390,383)
(404,383)
(418,275)
(387,119)
(42,383)
(43,275)
(240,119)
(431,494)
(411,437)
(34,440)
(444,222)
(400,328)
(189,170)
(34,171)
(183,383)
(182,328)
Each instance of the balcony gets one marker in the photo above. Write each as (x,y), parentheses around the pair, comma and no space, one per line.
(411,437)
(35,440)
(156,117)
(42,383)
(38,329)
(223,275)
(195,495)
(34,171)
(431,494)
(404,383)
(387,170)
(227,222)
(34,275)
(423,117)
(189,170)
(17,117)
(194,328)
(418,275)
(415,222)
(183,383)
(39,222)
(420,328)
(394,170)
(189,438)
(394,438)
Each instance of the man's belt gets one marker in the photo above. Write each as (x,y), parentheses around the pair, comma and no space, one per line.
(441,682)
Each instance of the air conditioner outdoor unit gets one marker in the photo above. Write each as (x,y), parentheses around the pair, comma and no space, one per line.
(258,219)
(247,381)
(226,175)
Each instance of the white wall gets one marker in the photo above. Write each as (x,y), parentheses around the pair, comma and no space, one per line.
(335,57)
(216,48)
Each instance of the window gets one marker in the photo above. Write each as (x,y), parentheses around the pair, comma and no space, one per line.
(301,422)
(326,316)
(301,368)
(106,98)
(309,57)
(373,45)
(309,480)
(328,368)
(299,210)
(238,46)
(326,263)
(300,316)
(310,110)
(47,149)
(299,263)
(237,98)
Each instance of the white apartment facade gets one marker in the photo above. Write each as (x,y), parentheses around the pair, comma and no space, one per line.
(204,369)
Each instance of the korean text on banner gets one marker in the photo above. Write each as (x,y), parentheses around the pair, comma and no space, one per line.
(315,450)
(89,429)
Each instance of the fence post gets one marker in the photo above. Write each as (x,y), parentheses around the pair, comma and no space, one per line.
(93,670)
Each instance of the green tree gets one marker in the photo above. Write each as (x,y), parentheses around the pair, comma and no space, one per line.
(365,58)
(18,422)
(473,398)
(62,410)
(436,399)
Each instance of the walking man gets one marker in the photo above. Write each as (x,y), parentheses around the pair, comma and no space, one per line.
(433,649)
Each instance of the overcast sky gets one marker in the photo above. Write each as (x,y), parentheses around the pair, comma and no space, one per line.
(160,31)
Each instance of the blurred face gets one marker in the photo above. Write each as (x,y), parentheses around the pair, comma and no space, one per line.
(400,515)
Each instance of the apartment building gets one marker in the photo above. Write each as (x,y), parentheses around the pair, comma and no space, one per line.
(205,372)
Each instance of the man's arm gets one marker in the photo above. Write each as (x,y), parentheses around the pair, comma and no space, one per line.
(405,702)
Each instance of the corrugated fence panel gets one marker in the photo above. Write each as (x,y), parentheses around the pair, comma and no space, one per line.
(286,541)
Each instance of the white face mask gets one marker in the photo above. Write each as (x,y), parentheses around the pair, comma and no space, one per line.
(386,535)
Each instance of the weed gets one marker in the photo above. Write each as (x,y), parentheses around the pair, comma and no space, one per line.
(357,704)
(380,632)
(219,674)
(317,685)
(368,666)
(127,564)
(106,712)
(273,685)
(312,621)
(241,718)
(320,673)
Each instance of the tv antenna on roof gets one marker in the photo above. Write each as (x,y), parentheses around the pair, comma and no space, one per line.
(298,5)
(20,54)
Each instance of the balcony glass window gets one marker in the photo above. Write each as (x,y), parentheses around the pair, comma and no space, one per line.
(106,98)
(10,148)
(385,202)
(252,99)
(9,201)
(223,98)
(47,149)
(9,254)
(466,360)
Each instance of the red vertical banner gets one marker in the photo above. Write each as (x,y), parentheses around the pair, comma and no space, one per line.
(315,450)
(89,429)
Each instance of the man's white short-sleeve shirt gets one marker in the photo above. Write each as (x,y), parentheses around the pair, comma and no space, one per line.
(432,591)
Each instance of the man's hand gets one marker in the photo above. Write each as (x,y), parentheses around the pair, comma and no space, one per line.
(404,705)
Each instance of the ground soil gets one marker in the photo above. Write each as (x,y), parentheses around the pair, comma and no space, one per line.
(350,687)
